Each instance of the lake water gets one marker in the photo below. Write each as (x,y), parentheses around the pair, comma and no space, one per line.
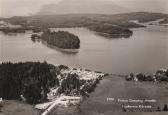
(145,51)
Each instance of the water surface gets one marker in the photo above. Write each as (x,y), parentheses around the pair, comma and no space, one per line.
(145,51)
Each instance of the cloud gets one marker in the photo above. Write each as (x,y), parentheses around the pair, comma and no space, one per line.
(145,5)
(22,7)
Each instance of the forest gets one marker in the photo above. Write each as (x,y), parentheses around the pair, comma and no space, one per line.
(111,31)
(61,39)
(109,25)
(7,30)
(160,76)
(30,79)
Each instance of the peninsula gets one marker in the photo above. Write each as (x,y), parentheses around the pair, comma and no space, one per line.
(36,83)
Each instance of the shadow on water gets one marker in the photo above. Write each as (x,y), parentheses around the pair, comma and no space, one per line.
(115,36)
(64,51)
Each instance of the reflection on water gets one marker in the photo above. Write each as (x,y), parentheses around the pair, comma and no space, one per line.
(65,51)
(115,36)
(145,51)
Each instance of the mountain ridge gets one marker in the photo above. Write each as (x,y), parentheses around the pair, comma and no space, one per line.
(82,7)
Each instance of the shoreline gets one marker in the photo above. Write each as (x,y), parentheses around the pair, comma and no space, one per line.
(60,49)
(114,36)
(89,78)
(74,100)
(74,109)
(64,101)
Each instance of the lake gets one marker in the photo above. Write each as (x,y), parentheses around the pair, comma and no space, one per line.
(145,51)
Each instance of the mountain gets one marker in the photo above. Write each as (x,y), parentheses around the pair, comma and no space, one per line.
(82,7)
(157,6)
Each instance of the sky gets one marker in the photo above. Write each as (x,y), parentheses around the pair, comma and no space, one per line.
(22,7)
(10,8)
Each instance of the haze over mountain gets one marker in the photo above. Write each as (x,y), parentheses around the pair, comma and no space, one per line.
(157,6)
(83,7)
(9,8)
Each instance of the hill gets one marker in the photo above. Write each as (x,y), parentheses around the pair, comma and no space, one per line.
(82,7)
(116,23)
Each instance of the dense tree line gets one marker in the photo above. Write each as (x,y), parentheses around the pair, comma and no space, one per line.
(30,79)
(165,108)
(39,23)
(35,37)
(160,75)
(61,39)
(164,21)
(83,20)
(0,107)
(7,30)
(111,31)
(72,85)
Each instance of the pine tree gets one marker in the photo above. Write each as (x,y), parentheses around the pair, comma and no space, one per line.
(165,108)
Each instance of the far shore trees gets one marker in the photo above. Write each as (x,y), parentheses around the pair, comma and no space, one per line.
(61,39)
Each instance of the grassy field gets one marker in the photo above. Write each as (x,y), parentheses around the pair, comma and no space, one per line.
(97,104)
(117,88)
(17,108)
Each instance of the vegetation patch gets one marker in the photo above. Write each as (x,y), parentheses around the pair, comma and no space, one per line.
(61,39)
(160,75)
(36,82)
(111,31)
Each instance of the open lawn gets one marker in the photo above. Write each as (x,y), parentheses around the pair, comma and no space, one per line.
(12,107)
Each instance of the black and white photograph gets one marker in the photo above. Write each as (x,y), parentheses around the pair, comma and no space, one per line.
(83,57)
